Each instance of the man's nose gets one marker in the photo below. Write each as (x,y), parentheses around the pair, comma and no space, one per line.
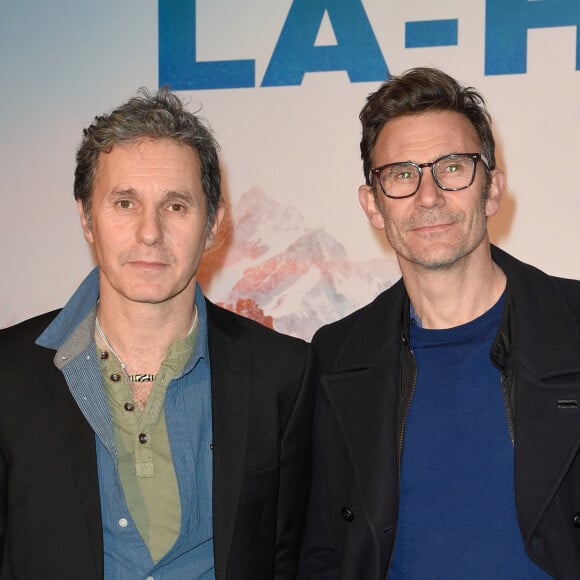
(150,230)
(429,193)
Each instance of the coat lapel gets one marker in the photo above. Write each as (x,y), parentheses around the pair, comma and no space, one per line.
(79,443)
(231,385)
(363,393)
(367,421)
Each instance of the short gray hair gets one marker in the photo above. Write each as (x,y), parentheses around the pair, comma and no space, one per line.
(148,115)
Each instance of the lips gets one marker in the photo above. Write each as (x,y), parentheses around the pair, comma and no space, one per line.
(147,265)
(427,223)
(150,261)
(433,227)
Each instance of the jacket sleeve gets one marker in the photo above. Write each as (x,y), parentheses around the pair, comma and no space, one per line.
(3,508)
(294,483)
(5,567)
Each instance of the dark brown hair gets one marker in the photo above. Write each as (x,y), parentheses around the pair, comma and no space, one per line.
(420,90)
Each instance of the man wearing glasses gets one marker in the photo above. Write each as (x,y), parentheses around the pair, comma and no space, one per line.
(447,426)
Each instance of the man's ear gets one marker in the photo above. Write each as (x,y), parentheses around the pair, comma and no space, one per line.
(495,193)
(213,231)
(368,202)
(85,223)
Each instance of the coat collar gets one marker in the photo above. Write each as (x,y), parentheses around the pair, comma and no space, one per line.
(374,332)
(538,317)
(544,332)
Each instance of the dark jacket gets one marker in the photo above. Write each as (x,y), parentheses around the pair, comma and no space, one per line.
(50,520)
(365,381)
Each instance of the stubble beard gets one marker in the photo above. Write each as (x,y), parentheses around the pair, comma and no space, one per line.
(436,255)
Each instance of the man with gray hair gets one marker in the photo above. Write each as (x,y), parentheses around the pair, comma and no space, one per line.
(144,431)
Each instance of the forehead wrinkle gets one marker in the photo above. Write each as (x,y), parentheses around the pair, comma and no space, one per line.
(425,137)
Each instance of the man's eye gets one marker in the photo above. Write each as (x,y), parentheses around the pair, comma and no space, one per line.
(176,207)
(125,204)
(454,166)
(403,175)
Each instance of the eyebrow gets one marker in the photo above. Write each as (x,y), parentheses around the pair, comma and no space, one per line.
(173,195)
(117,193)
(169,195)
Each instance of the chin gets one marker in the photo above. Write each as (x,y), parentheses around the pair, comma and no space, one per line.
(442,258)
(438,265)
(147,298)
(148,294)
(434,256)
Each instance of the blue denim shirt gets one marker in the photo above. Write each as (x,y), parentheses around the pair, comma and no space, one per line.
(188,417)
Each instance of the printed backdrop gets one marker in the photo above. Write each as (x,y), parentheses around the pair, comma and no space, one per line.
(281,84)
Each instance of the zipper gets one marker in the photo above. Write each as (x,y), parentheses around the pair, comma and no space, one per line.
(508,408)
(400,448)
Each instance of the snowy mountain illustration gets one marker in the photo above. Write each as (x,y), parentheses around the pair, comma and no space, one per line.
(270,266)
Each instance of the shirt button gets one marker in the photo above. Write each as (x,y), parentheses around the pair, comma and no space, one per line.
(115,377)
(347,514)
(143,438)
(123,522)
(149,578)
(129,406)
(577,520)
(104,355)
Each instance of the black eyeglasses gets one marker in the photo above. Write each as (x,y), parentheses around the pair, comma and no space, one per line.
(450,172)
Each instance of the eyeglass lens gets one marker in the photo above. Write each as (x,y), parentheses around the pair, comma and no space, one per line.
(452,172)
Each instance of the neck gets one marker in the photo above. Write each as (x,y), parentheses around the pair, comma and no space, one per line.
(141,334)
(454,296)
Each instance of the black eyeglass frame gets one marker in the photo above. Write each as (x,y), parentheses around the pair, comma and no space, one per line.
(475,157)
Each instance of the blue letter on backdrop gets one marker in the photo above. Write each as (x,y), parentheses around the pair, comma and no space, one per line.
(356,51)
(178,67)
(506,30)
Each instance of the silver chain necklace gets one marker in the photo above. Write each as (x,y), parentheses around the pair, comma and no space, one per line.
(138,377)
